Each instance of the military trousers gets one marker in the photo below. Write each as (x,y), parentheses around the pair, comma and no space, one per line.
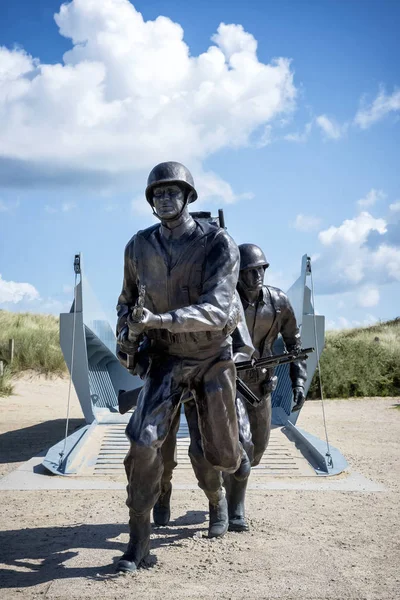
(254,424)
(210,378)
(208,478)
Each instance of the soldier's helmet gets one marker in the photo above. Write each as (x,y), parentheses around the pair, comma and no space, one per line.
(252,256)
(170,172)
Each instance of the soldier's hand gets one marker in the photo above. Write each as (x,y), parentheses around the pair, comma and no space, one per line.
(123,341)
(148,321)
(298,398)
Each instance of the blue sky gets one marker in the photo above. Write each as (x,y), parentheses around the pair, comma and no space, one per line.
(301,152)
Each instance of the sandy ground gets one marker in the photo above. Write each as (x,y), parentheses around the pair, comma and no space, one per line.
(302,544)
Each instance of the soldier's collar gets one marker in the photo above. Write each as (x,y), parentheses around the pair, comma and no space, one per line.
(185,225)
(263,297)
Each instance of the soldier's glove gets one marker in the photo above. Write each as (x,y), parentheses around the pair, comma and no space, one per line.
(298,398)
(148,321)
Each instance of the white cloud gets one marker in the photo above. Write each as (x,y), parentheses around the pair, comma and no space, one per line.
(130,95)
(395,207)
(306,223)
(368,297)
(387,259)
(13,292)
(380,107)
(357,253)
(300,137)
(371,198)
(352,231)
(344,323)
(331,129)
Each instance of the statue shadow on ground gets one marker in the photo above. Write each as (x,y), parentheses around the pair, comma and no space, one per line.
(21,444)
(29,557)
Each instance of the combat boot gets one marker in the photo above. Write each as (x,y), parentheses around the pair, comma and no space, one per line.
(162,508)
(236,492)
(219,521)
(139,544)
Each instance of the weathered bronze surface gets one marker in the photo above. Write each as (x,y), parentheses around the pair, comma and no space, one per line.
(182,345)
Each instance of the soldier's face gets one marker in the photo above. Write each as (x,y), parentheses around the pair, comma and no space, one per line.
(168,201)
(253,278)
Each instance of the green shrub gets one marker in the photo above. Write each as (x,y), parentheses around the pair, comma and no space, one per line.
(360,362)
(36,339)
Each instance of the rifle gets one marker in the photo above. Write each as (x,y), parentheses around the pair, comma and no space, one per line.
(136,316)
(268,362)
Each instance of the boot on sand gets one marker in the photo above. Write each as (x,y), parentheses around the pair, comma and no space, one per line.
(236,492)
(139,544)
(219,521)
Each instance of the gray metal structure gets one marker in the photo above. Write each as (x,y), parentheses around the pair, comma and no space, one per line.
(98,376)
(299,295)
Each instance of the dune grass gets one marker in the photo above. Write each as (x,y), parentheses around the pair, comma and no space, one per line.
(37,346)
(361,362)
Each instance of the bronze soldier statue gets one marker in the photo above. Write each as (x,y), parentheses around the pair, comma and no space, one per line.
(268,313)
(184,272)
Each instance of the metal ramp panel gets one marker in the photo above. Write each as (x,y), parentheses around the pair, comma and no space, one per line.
(103,454)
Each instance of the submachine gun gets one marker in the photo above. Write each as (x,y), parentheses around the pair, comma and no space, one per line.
(136,316)
(268,362)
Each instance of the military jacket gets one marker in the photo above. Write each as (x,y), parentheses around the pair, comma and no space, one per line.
(190,274)
(270,316)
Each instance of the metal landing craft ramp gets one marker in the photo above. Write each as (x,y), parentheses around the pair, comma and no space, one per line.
(97,449)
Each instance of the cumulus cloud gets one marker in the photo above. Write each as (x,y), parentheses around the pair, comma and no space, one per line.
(306,223)
(130,94)
(13,292)
(368,297)
(378,109)
(330,128)
(371,198)
(349,259)
(395,207)
(352,232)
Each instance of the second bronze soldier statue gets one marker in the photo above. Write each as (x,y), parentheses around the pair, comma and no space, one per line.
(268,313)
